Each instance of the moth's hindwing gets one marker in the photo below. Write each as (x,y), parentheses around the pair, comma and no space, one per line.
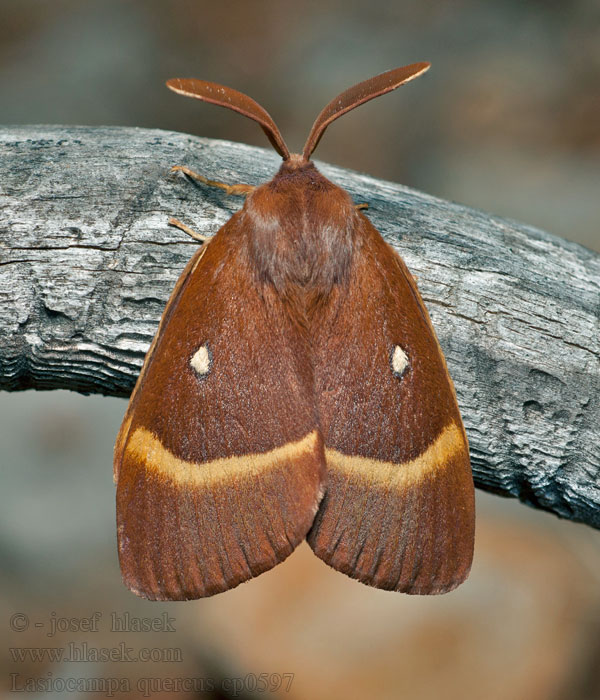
(398,511)
(219,461)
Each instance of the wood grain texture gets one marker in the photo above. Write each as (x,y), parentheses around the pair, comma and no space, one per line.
(87,263)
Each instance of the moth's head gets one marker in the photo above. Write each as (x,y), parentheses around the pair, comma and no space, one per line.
(346,101)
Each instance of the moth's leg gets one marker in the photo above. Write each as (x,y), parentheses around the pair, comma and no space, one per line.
(196,236)
(362,205)
(229,189)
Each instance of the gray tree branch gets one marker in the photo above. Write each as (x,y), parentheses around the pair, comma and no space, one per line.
(87,262)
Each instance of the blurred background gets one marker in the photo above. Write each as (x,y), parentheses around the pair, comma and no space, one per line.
(507,120)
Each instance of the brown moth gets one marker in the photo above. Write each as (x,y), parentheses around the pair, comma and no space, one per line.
(295,389)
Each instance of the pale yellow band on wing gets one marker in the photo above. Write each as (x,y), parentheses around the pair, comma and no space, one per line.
(449,443)
(146,447)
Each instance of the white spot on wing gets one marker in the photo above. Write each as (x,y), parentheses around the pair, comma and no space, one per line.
(399,361)
(201,361)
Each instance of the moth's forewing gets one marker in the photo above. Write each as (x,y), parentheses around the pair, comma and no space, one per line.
(398,511)
(219,459)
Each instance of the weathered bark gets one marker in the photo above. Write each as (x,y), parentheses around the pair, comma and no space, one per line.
(87,262)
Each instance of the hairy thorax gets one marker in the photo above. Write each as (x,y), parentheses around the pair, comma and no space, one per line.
(301,229)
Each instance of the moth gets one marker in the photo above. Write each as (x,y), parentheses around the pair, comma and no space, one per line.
(295,389)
